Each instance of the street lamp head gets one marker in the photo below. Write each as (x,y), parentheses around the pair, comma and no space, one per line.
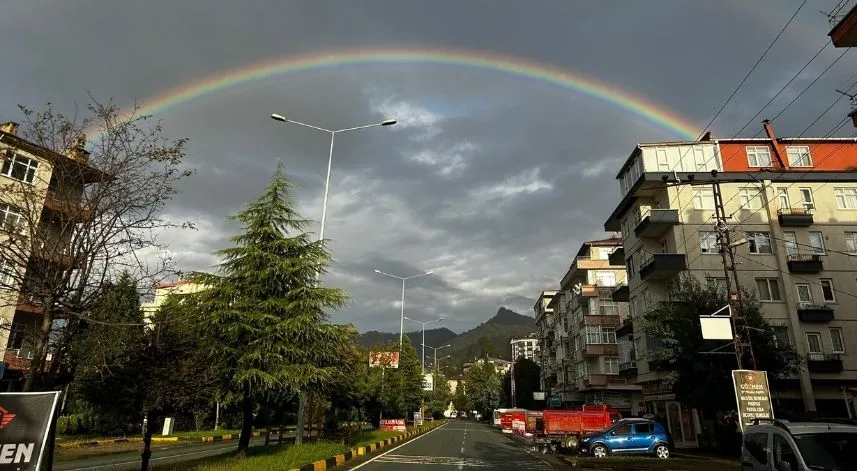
(388,122)
(378,271)
(447,345)
(279,117)
(429,272)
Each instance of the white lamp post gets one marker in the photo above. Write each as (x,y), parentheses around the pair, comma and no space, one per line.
(424,337)
(435,351)
(403,279)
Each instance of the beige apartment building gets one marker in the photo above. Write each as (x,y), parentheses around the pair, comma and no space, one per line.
(162,291)
(546,357)
(792,207)
(41,197)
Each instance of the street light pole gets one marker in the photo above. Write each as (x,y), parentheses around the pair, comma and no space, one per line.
(435,351)
(281,118)
(424,336)
(403,279)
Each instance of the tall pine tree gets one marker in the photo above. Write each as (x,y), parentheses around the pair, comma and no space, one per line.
(263,315)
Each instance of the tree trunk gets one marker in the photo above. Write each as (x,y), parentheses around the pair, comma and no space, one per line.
(302,411)
(40,350)
(146,455)
(246,423)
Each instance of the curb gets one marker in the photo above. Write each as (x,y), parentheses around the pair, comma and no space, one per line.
(113,441)
(334,461)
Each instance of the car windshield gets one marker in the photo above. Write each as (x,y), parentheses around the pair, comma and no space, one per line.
(828,451)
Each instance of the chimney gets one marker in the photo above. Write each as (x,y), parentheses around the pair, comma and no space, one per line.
(78,151)
(9,128)
(779,152)
(706,136)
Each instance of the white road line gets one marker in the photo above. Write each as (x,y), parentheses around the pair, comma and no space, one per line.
(396,448)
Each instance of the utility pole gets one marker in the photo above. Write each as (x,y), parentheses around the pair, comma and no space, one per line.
(724,238)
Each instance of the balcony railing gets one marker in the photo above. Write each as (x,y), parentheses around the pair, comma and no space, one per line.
(795,217)
(840,11)
(814,313)
(621,293)
(655,222)
(18,359)
(824,362)
(659,266)
(804,263)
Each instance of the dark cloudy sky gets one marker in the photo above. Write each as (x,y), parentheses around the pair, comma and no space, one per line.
(489,179)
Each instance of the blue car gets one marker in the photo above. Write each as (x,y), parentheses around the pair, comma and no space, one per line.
(629,437)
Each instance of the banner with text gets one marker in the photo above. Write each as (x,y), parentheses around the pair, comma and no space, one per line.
(25,420)
(394,425)
(383,359)
(428,382)
(753,396)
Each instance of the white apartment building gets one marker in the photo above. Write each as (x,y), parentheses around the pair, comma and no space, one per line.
(545,331)
(526,347)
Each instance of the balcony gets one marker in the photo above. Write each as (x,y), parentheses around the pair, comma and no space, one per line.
(29,304)
(795,217)
(661,266)
(602,380)
(627,328)
(67,209)
(604,320)
(805,263)
(48,251)
(843,21)
(19,359)
(628,367)
(814,313)
(656,223)
(621,293)
(617,257)
(824,362)
(600,349)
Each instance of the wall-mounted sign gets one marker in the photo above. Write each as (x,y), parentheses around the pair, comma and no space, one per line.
(25,420)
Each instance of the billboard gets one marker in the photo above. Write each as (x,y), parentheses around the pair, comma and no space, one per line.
(384,359)
(394,425)
(428,382)
(753,396)
(25,420)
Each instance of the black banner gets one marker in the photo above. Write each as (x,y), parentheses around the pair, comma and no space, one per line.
(25,420)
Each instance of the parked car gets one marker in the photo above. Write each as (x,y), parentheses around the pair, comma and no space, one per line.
(779,445)
(631,437)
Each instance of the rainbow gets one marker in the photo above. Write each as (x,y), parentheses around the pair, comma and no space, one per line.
(650,112)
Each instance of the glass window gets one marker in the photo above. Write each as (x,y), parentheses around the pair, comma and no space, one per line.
(783,197)
(663,160)
(611,365)
(708,242)
(799,156)
(781,335)
(751,198)
(806,198)
(19,167)
(804,293)
(699,158)
(758,156)
(608,335)
(622,429)
(783,453)
(851,242)
(831,450)
(827,291)
(837,340)
(759,242)
(816,241)
(846,198)
(756,445)
(790,239)
(605,278)
(703,198)
(768,289)
(813,342)
(11,218)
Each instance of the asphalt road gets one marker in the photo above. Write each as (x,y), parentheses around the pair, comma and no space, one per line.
(459,444)
(131,460)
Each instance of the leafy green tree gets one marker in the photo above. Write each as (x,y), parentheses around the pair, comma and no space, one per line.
(263,315)
(437,400)
(700,380)
(400,389)
(459,399)
(526,383)
(483,388)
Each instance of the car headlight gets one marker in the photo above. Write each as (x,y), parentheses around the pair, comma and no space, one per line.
(584,439)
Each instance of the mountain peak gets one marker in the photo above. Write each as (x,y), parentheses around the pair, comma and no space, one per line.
(509,317)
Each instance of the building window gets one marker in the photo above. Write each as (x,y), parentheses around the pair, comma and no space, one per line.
(783,197)
(816,241)
(837,340)
(608,335)
(781,336)
(758,156)
(806,199)
(19,167)
(605,278)
(790,239)
(827,291)
(608,307)
(813,343)
(699,158)
(718,283)
(703,198)
(804,293)
(663,160)
(759,242)
(11,218)
(751,198)
(611,365)
(851,242)
(593,334)
(768,289)
(846,198)
(17,334)
(708,242)
(799,156)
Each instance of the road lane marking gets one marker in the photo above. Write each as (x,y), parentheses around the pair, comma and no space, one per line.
(396,448)
(466,462)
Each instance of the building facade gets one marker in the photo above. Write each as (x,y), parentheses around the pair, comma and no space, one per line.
(546,355)
(792,210)
(41,198)
(164,290)
(526,347)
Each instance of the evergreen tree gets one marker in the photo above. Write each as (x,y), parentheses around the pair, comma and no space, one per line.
(483,388)
(437,400)
(263,314)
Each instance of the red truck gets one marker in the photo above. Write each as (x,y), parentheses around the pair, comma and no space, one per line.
(563,428)
(510,415)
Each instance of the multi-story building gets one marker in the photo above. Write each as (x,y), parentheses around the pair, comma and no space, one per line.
(792,206)
(162,291)
(589,317)
(526,347)
(41,198)
(546,357)
(501,367)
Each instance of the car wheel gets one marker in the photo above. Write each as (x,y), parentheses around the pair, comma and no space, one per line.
(662,451)
(599,451)
(571,443)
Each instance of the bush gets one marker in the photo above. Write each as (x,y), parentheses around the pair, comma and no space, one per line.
(90,424)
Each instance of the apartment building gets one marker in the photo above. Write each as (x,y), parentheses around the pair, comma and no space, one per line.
(162,291)
(41,198)
(546,356)
(526,347)
(586,319)
(792,206)
(501,367)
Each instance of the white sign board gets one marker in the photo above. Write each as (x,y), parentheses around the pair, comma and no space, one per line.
(716,328)
(428,382)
